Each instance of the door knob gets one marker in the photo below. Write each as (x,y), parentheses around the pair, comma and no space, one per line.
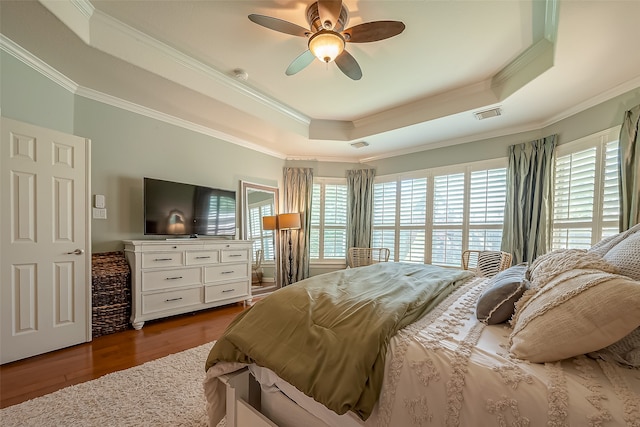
(76,252)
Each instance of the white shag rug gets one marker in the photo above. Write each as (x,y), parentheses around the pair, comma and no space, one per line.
(163,392)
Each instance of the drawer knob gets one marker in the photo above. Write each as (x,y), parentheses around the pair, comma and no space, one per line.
(203,257)
(173,278)
(173,299)
(162,259)
(228,272)
(235,255)
(228,290)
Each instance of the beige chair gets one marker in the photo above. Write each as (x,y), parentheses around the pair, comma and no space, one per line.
(358,257)
(485,263)
(256,269)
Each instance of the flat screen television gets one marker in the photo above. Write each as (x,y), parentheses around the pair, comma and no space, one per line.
(175,208)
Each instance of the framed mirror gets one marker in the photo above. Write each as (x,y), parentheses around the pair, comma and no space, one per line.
(257,201)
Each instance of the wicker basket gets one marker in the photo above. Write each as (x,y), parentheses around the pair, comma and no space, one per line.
(111,293)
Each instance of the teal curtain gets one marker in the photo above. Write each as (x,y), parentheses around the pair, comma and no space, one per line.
(629,169)
(528,213)
(360,207)
(298,187)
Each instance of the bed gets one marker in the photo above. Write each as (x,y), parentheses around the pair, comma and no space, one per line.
(569,355)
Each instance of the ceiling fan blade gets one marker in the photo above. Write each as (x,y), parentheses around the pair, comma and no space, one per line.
(373,31)
(279,25)
(329,11)
(298,64)
(348,65)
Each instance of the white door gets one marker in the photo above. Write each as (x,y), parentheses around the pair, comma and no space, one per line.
(45,279)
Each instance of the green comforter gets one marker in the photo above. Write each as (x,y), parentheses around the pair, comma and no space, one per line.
(328,335)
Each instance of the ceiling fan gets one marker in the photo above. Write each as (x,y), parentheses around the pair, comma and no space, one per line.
(327,36)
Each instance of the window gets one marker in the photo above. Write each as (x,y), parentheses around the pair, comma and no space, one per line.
(329,219)
(434,217)
(262,239)
(586,201)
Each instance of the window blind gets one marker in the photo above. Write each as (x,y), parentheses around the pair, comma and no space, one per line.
(585,200)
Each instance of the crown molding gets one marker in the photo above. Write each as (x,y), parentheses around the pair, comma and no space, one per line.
(592,102)
(100,23)
(84,7)
(47,71)
(36,64)
(172,120)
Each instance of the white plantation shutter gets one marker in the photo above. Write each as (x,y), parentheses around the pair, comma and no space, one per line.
(435,217)
(446,247)
(262,239)
(586,201)
(413,201)
(384,204)
(384,216)
(412,219)
(314,242)
(611,195)
(384,239)
(328,220)
(448,215)
(448,199)
(488,192)
(335,220)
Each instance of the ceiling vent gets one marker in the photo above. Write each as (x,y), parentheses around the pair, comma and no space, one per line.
(493,112)
(359,144)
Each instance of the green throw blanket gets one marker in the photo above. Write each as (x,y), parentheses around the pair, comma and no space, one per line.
(328,335)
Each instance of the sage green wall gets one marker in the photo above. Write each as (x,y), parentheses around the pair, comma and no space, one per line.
(595,119)
(29,97)
(125,147)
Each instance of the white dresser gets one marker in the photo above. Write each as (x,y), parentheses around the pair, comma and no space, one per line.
(180,276)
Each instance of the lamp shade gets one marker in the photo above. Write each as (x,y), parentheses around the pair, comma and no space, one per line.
(269,223)
(289,221)
(326,45)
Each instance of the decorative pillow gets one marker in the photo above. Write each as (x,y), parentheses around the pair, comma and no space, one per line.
(547,266)
(626,351)
(625,256)
(497,302)
(605,245)
(577,312)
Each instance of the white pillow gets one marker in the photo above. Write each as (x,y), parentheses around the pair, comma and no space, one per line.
(625,256)
(625,352)
(576,312)
(605,245)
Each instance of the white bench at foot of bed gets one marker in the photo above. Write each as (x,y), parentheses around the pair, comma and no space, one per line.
(249,406)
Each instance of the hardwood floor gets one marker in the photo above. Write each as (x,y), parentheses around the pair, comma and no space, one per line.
(39,375)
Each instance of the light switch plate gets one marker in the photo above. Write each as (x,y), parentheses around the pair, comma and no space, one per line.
(99,213)
(99,201)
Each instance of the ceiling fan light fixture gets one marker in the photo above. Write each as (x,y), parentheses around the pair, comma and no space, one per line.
(326,45)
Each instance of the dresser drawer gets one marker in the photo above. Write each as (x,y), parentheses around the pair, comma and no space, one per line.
(226,272)
(234,255)
(171,300)
(174,278)
(226,291)
(202,257)
(168,247)
(161,259)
